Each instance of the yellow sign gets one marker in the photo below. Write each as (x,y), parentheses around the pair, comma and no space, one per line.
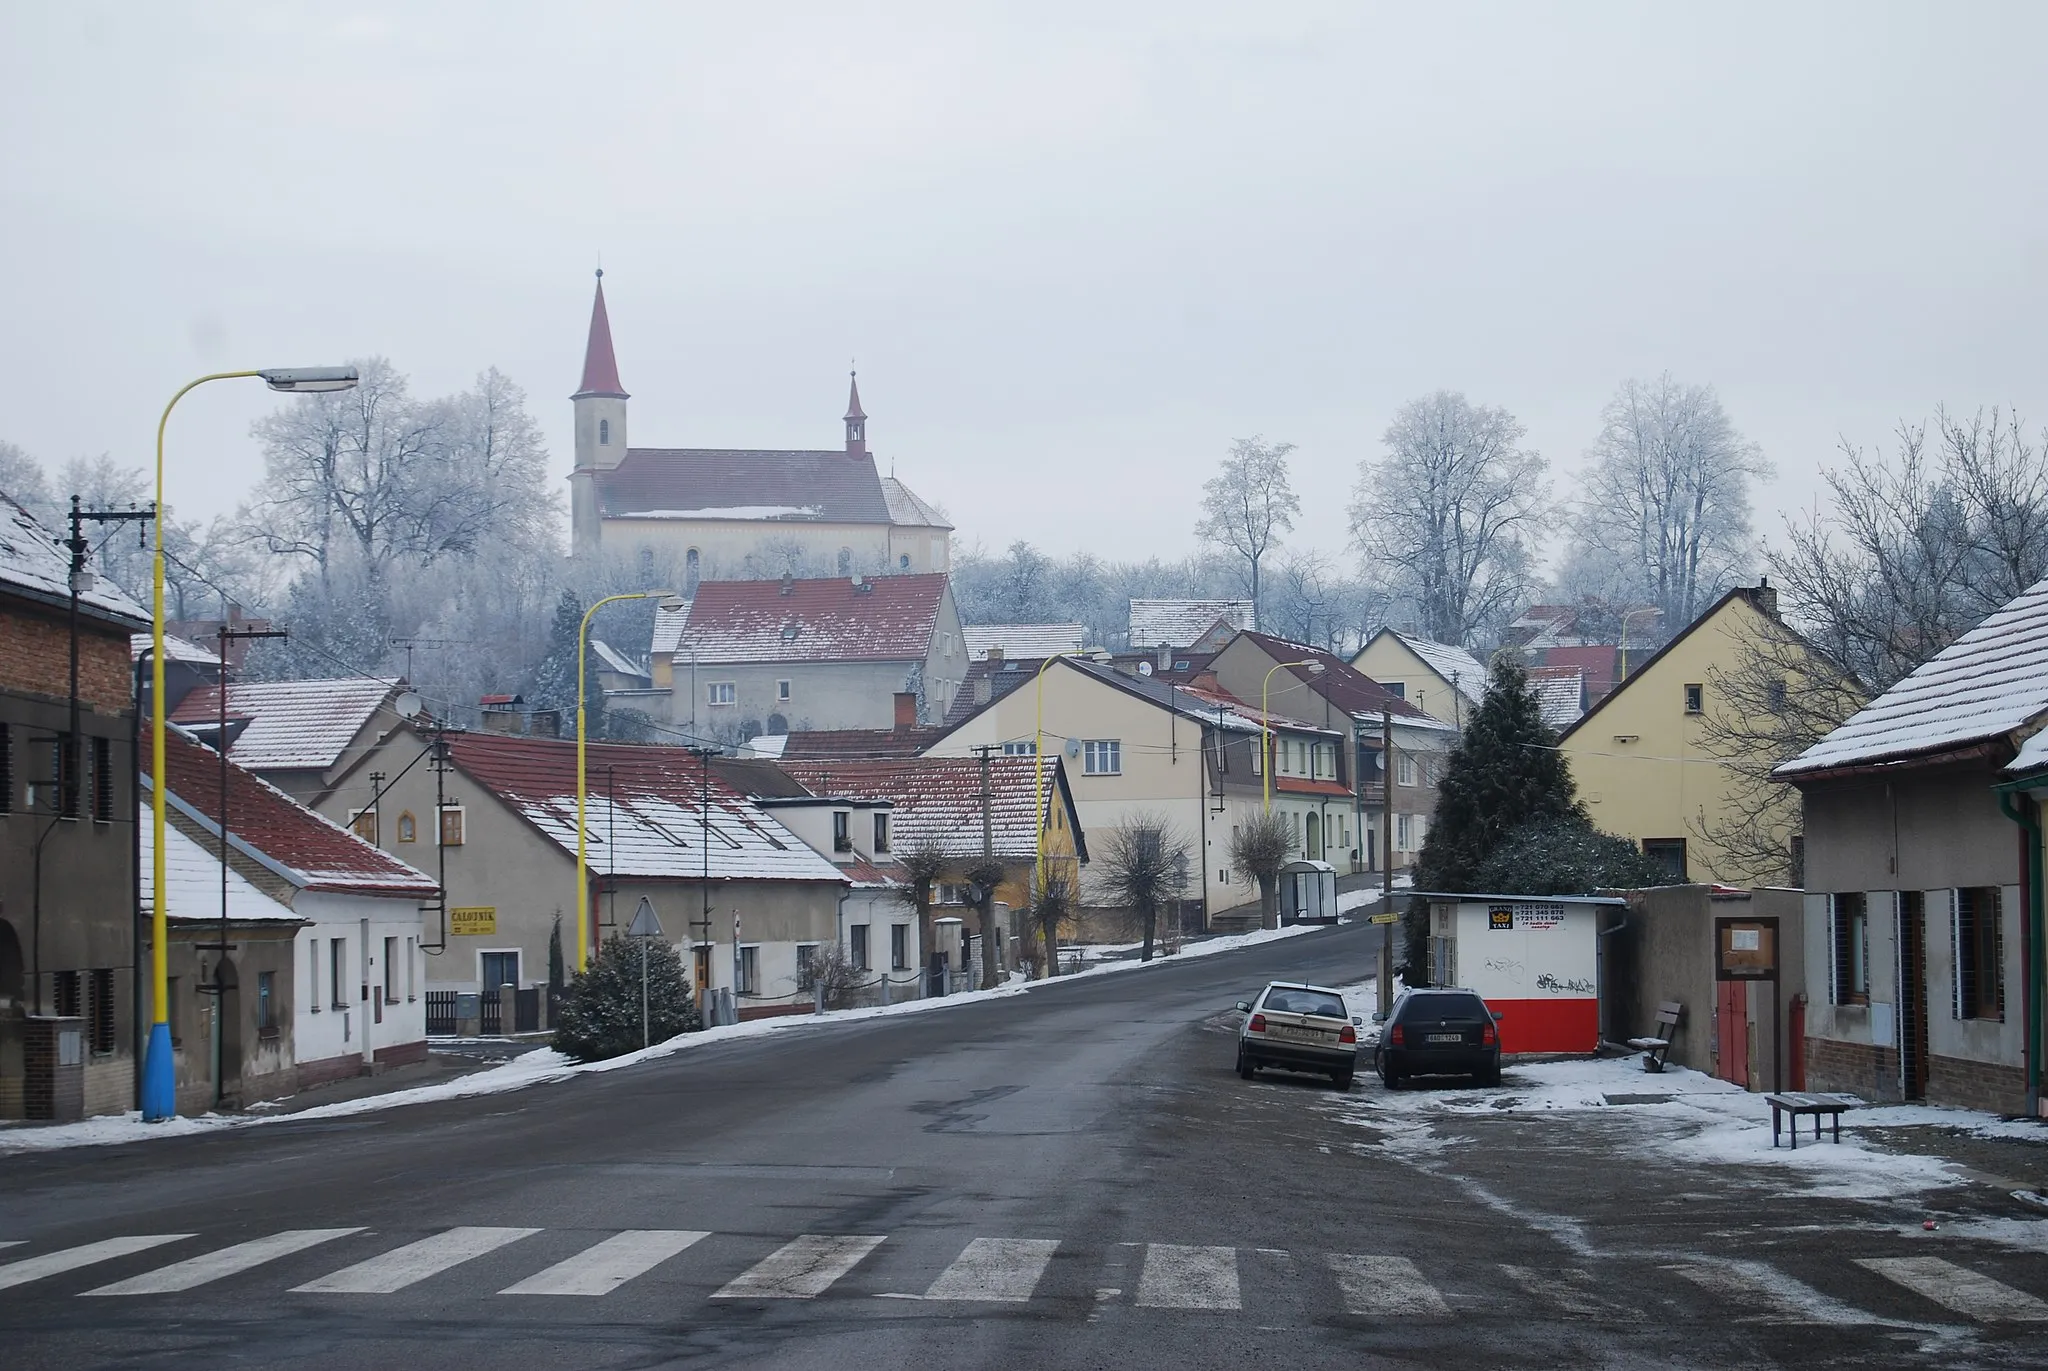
(1384,919)
(473,921)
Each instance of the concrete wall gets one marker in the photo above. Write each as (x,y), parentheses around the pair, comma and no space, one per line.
(1920,830)
(335,1040)
(260,1066)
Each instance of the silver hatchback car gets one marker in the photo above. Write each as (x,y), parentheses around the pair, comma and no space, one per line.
(1298,1028)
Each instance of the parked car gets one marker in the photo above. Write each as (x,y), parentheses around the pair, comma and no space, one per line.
(1446,1032)
(1298,1028)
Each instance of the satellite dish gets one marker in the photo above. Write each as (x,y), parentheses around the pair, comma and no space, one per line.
(1144,668)
(408,705)
(1073,747)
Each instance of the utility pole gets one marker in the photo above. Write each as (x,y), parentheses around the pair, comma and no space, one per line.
(991,962)
(700,955)
(220,741)
(1386,967)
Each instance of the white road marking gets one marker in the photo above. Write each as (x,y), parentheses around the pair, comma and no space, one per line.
(1563,1286)
(1188,1277)
(1386,1287)
(800,1269)
(402,1266)
(998,1269)
(12,1242)
(1772,1296)
(71,1258)
(1959,1288)
(228,1261)
(603,1267)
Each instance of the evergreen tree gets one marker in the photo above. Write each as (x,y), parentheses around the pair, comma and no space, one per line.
(1567,857)
(600,1014)
(554,680)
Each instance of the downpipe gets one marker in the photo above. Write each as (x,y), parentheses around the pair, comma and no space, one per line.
(2024,813)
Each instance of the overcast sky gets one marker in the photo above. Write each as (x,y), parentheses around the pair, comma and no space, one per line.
(1076,249)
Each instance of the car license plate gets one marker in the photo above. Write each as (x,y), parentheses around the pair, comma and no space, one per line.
(1445,1038)
(1295,1035)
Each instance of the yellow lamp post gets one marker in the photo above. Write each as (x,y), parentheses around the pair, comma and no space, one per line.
(1626,616)
(159,1077)
(1266,762)
(669,601)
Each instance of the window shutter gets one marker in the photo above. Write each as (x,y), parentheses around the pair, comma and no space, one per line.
(1997,968)
(1959,998)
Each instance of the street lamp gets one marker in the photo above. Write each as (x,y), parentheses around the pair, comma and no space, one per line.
(1315,668)
(669,601)
(159,1076)
(1626,616)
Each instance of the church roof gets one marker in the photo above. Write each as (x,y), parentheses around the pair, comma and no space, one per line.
(907,510)
(835,619)
(600,364)
(831,487)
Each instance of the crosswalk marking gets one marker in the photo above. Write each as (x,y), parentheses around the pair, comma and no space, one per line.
(1386,1287)
(401,1266)
(71,1258)
(800,1269)
(1959,1288)
(605,1266)
(999,1269)
(1562,1286)
(1770,1295)
(228,1261)
(1188,1277)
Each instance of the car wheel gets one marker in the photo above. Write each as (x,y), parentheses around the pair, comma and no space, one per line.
(1390,1079)
(1342,1078)
(1245,1068)
(1490,1076)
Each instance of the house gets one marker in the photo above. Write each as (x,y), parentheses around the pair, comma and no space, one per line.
(1923,860)
(749,657)
(67,853)
(1560,693)
(1309,684)
(325,978)
(1440,680)
(746,513)
(1601,667)
(1037,641)
(1649,757)
(1136,745)
(1196,625)
(726,880)
(297,735)
(616,672)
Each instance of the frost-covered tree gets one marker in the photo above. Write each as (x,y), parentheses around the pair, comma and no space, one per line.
(1247,506)
(1259,848)
(554,680)
(1448,514)
(23,480)
(599,1015)
(1566,856)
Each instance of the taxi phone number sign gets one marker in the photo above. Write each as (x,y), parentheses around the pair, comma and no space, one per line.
(473,921)
(1508,917)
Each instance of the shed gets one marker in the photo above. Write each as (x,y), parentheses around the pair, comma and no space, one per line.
(1308,893)
(1535,959)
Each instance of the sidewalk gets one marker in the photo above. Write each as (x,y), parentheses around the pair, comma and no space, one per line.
(445,1062)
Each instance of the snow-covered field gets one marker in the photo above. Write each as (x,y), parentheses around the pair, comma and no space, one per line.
(546,1065)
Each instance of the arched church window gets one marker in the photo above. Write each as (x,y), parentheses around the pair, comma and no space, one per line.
(691,563)
(904,561)
(604,430)
(408,828)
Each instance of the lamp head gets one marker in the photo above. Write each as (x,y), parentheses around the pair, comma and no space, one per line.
(670,602)
(310,380)
(1315,668)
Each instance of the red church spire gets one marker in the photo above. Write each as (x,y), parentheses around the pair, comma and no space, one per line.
(856,421)
(600,365)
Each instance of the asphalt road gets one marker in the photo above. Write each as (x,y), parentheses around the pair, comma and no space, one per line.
(1072,1178)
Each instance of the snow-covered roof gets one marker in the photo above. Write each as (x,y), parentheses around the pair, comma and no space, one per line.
(176,649)
(293,725)
(938,799)
(1181,623)
(646,817)
(1213,708)
(1454,664)
(907,509)
(33,563)
(765,745)
(1033,641)
(668,630)
(1560,693)
(616,660)
(192,875)
(830,619)
(1984,686)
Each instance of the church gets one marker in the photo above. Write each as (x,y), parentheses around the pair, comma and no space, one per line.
(738,514)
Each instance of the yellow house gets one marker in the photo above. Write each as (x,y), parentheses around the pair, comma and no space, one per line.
(1673,759)
(1443,682)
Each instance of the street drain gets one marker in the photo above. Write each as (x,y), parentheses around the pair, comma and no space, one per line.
(1638,1099)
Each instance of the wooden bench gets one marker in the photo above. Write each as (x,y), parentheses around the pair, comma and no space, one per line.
(1658,1046)
(1793,1106)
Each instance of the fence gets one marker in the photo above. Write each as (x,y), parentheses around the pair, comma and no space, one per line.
(493,1020)
(440,1013)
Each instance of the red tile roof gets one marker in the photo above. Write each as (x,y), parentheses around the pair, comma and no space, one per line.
(938,799)
(886,618)
(833,486)
(1598,663)
(817,743)
(318,853)
(600,366)
(1339,682)
(1302,785)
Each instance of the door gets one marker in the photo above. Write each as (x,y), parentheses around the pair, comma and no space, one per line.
(1312,847)
(1731,1031)
(1912,995)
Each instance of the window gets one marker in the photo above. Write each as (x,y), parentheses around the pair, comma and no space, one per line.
(1668,853)
(750,971)
(498,968)
(721,693)
(904,562)
(6,770)
(102,1015)
(337,972)
(363,823)
(408,828)
(1695,696)
(1259,755)
(881,833)
(410,989)
(1979,946)
(782,690)
(806,964)
(1404,832)
(1404,770)
(1774,696)
(103,780)
(952,892)
(693,562)
(604,431)
(857,946)
(312,973)
(266,1004)
(1024,749)
(842,838)
(69,990)
(391,971)
(1849,931)
(1102,757)
(451,826)
(899,947)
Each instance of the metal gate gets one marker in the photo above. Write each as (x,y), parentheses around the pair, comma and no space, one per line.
(440,1013)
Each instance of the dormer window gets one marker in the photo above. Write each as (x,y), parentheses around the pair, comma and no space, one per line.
(604,430)
(842,834)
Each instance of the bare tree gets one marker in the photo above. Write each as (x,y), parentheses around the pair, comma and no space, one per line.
(925,864)
(1448,511)
(1248,505)
(1054,907)
(1667,495)
(1259,847)
(23,480)
(1140,869)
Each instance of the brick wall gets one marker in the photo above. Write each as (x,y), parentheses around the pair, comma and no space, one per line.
(330,1069)
(1976,1085)
(1870,1072)
(1873,1074)
(38,658)
(401,1054)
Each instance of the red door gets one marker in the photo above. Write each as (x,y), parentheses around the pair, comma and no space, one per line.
(1731,1031)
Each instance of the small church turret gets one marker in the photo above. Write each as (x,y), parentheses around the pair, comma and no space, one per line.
(600,424)
(856,421)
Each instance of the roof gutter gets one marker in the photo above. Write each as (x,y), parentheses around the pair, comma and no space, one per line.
(2022,810)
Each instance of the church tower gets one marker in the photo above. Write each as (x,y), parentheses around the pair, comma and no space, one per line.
(600,427)
(856,422)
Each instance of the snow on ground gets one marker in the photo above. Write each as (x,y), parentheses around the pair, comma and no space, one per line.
(546,1065)
(1686,1117)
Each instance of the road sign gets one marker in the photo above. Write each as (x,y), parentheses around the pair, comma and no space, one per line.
(1388,918)
(644,924)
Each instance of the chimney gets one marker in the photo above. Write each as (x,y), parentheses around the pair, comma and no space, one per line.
(984,690)
(1764,597)
(1165,657)
(788,584)
(995,654)
(906,711)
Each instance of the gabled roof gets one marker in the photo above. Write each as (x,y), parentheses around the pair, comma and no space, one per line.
(1214,708)
(305,848)
(35,566)
(1458,667)
(615,660)
(813,743)
(883,619)
(908,510)
(1002,677)
(1182,623)
(647,818)
(1761,599)
(1982,688)
(1560,693)
(176,649)
(938,799)
(192,874)
(1600,663)
(1343,684)
(1035,641)
(727,483)
(294,725)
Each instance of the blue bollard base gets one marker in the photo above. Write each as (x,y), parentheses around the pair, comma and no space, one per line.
(159,1078)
